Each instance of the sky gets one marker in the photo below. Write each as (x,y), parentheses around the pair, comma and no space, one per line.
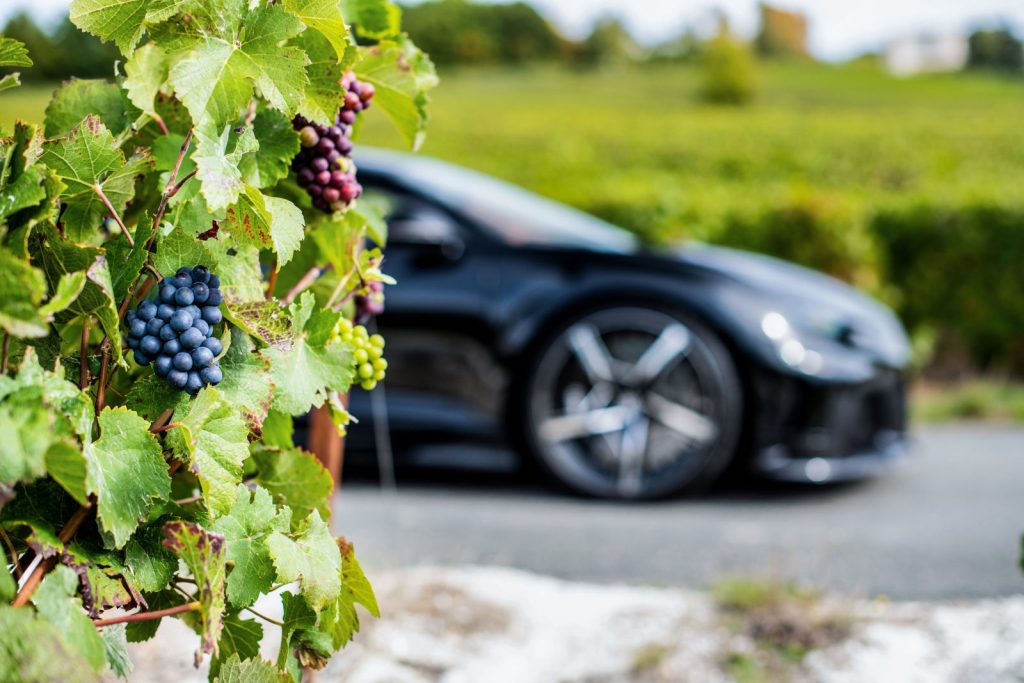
(839,28)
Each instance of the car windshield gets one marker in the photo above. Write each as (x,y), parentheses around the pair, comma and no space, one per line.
(517,216)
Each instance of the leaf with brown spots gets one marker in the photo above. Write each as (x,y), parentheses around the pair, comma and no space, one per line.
(203,553)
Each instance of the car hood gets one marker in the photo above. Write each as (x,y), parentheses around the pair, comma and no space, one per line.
(808,298)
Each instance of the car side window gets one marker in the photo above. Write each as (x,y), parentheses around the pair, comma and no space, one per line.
(410,219)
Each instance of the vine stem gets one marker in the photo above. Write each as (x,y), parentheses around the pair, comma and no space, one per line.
(101,388)
(146,616)
(265,618)
(13,553)
(7,347)
(339,289)
(172,184)
(83,357)
(272,281)
(110,207)
(305,283)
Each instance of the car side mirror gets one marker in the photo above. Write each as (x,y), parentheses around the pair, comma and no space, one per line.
(437,240)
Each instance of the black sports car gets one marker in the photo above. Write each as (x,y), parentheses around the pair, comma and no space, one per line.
(623,372)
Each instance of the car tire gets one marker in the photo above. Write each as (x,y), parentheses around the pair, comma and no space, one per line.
(632,402)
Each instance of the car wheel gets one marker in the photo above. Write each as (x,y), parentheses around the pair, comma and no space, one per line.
(633,403)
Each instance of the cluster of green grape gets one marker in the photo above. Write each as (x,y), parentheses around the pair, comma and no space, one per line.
(369,352)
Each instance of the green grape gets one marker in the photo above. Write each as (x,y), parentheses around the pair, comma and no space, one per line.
(368,352)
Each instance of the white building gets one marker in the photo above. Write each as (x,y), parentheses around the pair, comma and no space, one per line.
(926,54)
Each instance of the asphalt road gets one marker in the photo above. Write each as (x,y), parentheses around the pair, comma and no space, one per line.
(946,525)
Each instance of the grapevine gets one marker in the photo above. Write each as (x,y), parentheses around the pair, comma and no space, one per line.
(151,367)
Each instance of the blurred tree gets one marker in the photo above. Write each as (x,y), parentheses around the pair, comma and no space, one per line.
(686,47)
(995,49)
(460,32)
(782,34)
(609,42)
(62,52)
(729,71)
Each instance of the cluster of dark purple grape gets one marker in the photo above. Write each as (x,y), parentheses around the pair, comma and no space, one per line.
(371,303)
(323,167)
(174,332)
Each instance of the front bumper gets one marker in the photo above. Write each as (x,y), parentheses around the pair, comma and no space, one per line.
(824,433)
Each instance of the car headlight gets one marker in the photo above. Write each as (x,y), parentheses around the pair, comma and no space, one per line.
(794,345)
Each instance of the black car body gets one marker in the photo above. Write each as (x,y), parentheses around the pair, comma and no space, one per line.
(804,373)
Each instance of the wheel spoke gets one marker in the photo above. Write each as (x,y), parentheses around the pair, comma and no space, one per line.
(685,421)
(591,352)
(632,452)
(579,425)
(673,342)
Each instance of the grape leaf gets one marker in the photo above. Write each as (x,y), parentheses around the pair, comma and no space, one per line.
(297,616)
(102,577)
(268,321)
(175,250)
(77,98)
(245,530)
(311,556)
(246,382)
(203,554)
(278,145)
(27,425)
(238,268)
(145,73)
(266,222)
(13,53)
(152,566)
(57,602)
(312,368)
(9,81)
(130,259)
(401,75)
(8,588)
(340,618)
(69,287)
(296,479)
(89,162)
(212,439)
(324,95)
(120,21)
(60,257)
(126,471)
(217,168)
(374,19)
(115,645)
(22,289)
(240,638)
(277,430)
(325,17)
(151,395)
(22,658)
(216,76)
(234,670)
(66,464)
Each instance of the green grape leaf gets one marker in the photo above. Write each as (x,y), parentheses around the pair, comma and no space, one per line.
(253,517)
(151,395)
(239,639)
(401,75)
(22,658)
(203,554)
(278,145)
(103,579)
(126,471)
(60,257)
(10,81)
(266,222)
(246,382)
(324,94)
(69,288)
(307,372)
(115,645)
(129,259)
(77,98)
(340,618)
(22,289)
(58,603)
(8,588)
(217,168)
(277,430)
(145,73)
(298,616)
(268,321)
(151,565)
(212,439)
(120,21)
(310,556)
(13,53)
(296,479)
(216,75)
(88,161)
(238,268)
(27,424)
(374,19)
(175,250)
(325,17)
(255,670)
(66,464)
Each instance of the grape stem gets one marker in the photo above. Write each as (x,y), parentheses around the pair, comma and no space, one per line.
(339,289)
(117,218)
(146,616)
(272,281)
(83,357)
(172,185)
(13,553)
(305,283)
(265,618)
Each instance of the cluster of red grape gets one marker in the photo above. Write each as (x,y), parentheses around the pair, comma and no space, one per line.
(175,331)
(371,303)
(323,167)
